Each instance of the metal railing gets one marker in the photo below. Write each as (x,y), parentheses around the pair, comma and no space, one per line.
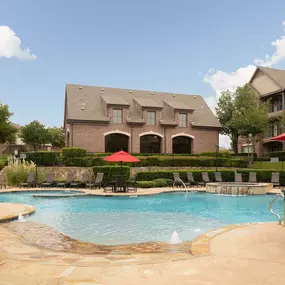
(271,210)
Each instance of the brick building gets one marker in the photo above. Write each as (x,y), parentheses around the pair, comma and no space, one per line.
(269,84)
(104,119)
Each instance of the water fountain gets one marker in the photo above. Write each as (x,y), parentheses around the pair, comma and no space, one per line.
(21,218)
(175,238)
(238,189)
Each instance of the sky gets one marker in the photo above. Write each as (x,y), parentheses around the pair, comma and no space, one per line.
(182,46)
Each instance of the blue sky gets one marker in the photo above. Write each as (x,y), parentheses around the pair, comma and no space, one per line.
(153,45)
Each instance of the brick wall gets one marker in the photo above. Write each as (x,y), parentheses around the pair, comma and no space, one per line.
(91,136)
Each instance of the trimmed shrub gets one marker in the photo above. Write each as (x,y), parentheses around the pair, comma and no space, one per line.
(110,171)
(45,158)
(245,155)
(145,184)
(152,184)
(160,182)
(227,175)
(68,152)
(224,154)
(79,161)
(279,154)
(263,158)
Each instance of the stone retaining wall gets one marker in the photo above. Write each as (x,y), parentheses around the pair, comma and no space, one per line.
(61,172)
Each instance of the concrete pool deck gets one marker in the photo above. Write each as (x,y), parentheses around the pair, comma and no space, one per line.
(253,254)
(100,192)
(236,254)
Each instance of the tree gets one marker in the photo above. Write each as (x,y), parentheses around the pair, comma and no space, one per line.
(56,136)
(241,114)
(7,130)
(35,134)
(225,112)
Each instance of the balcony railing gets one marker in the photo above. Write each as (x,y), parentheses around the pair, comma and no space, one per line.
(273,133)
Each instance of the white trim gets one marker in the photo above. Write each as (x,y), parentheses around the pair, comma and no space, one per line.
(182,135)
(150,133)
(248,144)
(117,132)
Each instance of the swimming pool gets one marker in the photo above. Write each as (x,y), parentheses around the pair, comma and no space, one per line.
(123,220)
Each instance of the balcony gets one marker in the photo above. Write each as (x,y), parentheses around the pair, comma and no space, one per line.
(272,132)
(275,109)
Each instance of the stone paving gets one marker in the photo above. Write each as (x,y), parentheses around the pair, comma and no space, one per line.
(248,254)
(236,254)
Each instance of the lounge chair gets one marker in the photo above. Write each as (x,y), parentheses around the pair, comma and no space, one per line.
(69,180)
(98,181)
(218,177)
(131,186)
(49,181)
(205,178)
(191,181)
(275,179)
(82,182)
(252,177)
(30,182)
(238,177)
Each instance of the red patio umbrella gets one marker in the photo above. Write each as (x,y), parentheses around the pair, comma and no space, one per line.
(121,156)
(279,138)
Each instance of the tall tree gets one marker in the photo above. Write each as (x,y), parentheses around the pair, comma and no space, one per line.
(56,136)
(225,111)
(241,114)
(7,130)
(35,134)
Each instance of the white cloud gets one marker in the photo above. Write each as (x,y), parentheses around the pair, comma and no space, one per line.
(10,45)
(221,80)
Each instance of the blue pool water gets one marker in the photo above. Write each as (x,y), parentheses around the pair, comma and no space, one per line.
(117,220)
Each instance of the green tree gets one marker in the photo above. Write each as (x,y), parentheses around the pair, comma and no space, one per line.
(56,136)
(7,130)
(225,111)
(241,114)
(35,134)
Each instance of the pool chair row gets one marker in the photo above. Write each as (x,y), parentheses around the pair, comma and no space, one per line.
(190,181)
(85,181)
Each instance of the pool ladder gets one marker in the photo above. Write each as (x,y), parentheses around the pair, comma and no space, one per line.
(271,210)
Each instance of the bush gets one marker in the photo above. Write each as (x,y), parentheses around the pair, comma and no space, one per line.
(17,172)
(227,175)
(110,171)
(152,184)
(79,161)
(224,154)
(160,182)
(242,154)
(68,152)
(145,184)
(279,154)
(263,158)
(45,158)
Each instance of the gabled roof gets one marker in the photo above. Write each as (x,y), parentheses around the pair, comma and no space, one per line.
(277,75)
(115,100)
(84,103)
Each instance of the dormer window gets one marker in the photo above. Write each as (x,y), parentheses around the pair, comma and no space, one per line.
(151,118)
(117,116)
(182,120)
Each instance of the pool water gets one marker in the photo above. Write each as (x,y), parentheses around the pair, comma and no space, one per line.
(123,220)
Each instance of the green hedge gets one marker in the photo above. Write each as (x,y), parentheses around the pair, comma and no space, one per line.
(155,183)
(68,152)
(45,158)
(279,154)
(246,155)
(110,171)
(161,161)
(227,175)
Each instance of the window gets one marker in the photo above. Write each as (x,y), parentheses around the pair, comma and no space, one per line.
(151,118)
(275,130)
(182,120)
(117,116)
(247,148)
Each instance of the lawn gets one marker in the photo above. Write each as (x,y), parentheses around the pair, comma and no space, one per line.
(269,165)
